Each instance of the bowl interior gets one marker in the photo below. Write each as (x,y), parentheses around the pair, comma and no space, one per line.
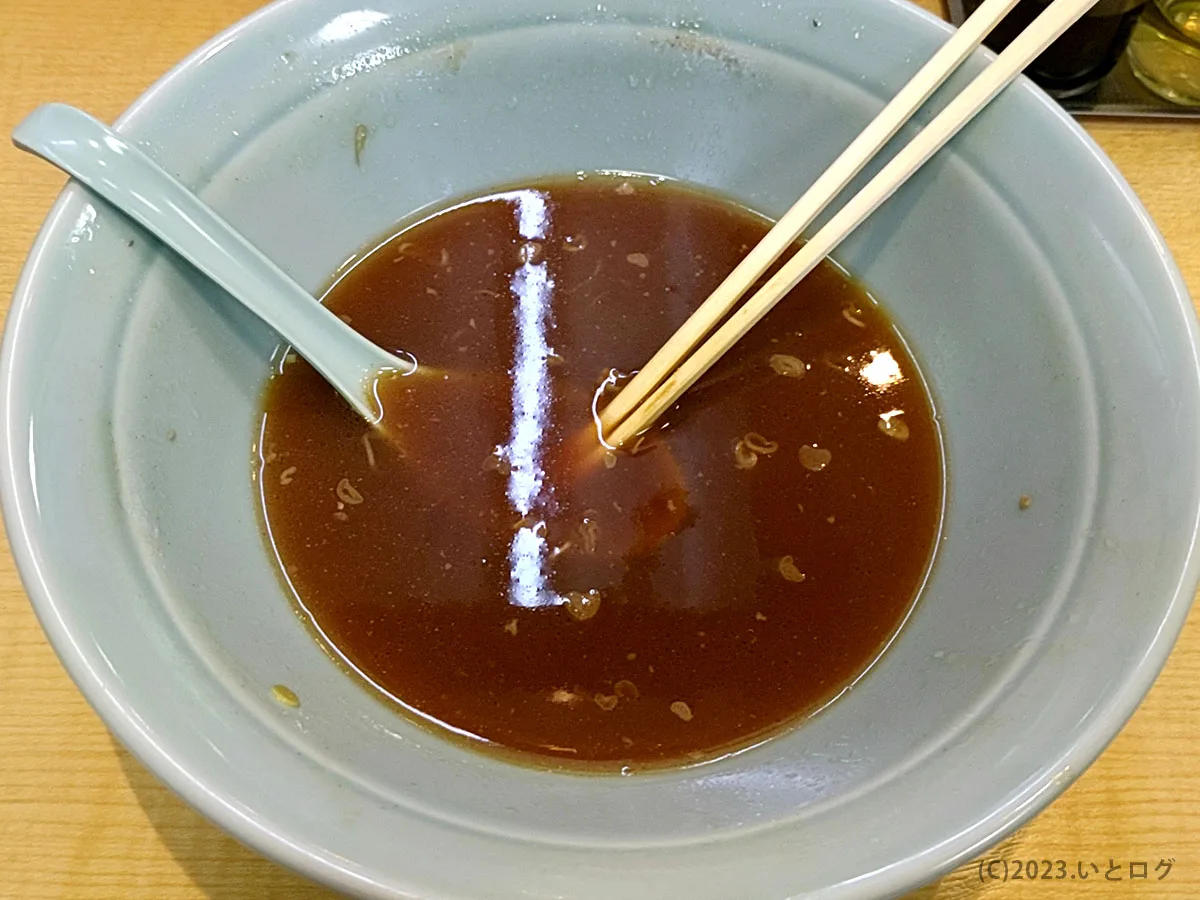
(1054,332)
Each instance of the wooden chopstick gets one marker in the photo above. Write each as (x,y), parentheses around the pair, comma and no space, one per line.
(822,192)
(1044,30)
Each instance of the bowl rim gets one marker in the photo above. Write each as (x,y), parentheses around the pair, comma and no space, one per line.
(282,844)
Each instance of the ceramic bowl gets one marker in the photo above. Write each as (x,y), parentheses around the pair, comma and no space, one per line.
(1053,326)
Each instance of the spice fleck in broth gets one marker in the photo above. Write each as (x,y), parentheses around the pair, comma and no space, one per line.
(483,563)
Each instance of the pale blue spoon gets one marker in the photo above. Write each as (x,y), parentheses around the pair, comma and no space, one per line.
(96,156)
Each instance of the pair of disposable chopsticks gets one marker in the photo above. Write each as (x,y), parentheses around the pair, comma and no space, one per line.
(659,384)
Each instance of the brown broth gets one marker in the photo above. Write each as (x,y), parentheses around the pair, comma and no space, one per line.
(454,564)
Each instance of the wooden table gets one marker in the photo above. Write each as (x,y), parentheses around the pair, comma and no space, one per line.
(80,818)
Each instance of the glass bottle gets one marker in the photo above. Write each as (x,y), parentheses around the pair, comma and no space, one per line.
(1164,51)
(1085,53)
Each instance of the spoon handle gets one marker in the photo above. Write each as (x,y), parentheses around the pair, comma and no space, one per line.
(94,155)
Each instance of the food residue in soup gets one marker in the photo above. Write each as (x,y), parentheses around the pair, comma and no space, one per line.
(484,563)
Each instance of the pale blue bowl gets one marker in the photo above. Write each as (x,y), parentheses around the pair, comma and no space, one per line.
(1055,330)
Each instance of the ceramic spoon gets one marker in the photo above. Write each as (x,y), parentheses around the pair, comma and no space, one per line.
(94,155)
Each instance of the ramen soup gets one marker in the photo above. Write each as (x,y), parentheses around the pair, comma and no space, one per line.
(483,562)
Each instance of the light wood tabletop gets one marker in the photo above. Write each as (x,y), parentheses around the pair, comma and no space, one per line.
(79,818)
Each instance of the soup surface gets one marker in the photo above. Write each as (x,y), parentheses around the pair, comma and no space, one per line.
(487,565)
